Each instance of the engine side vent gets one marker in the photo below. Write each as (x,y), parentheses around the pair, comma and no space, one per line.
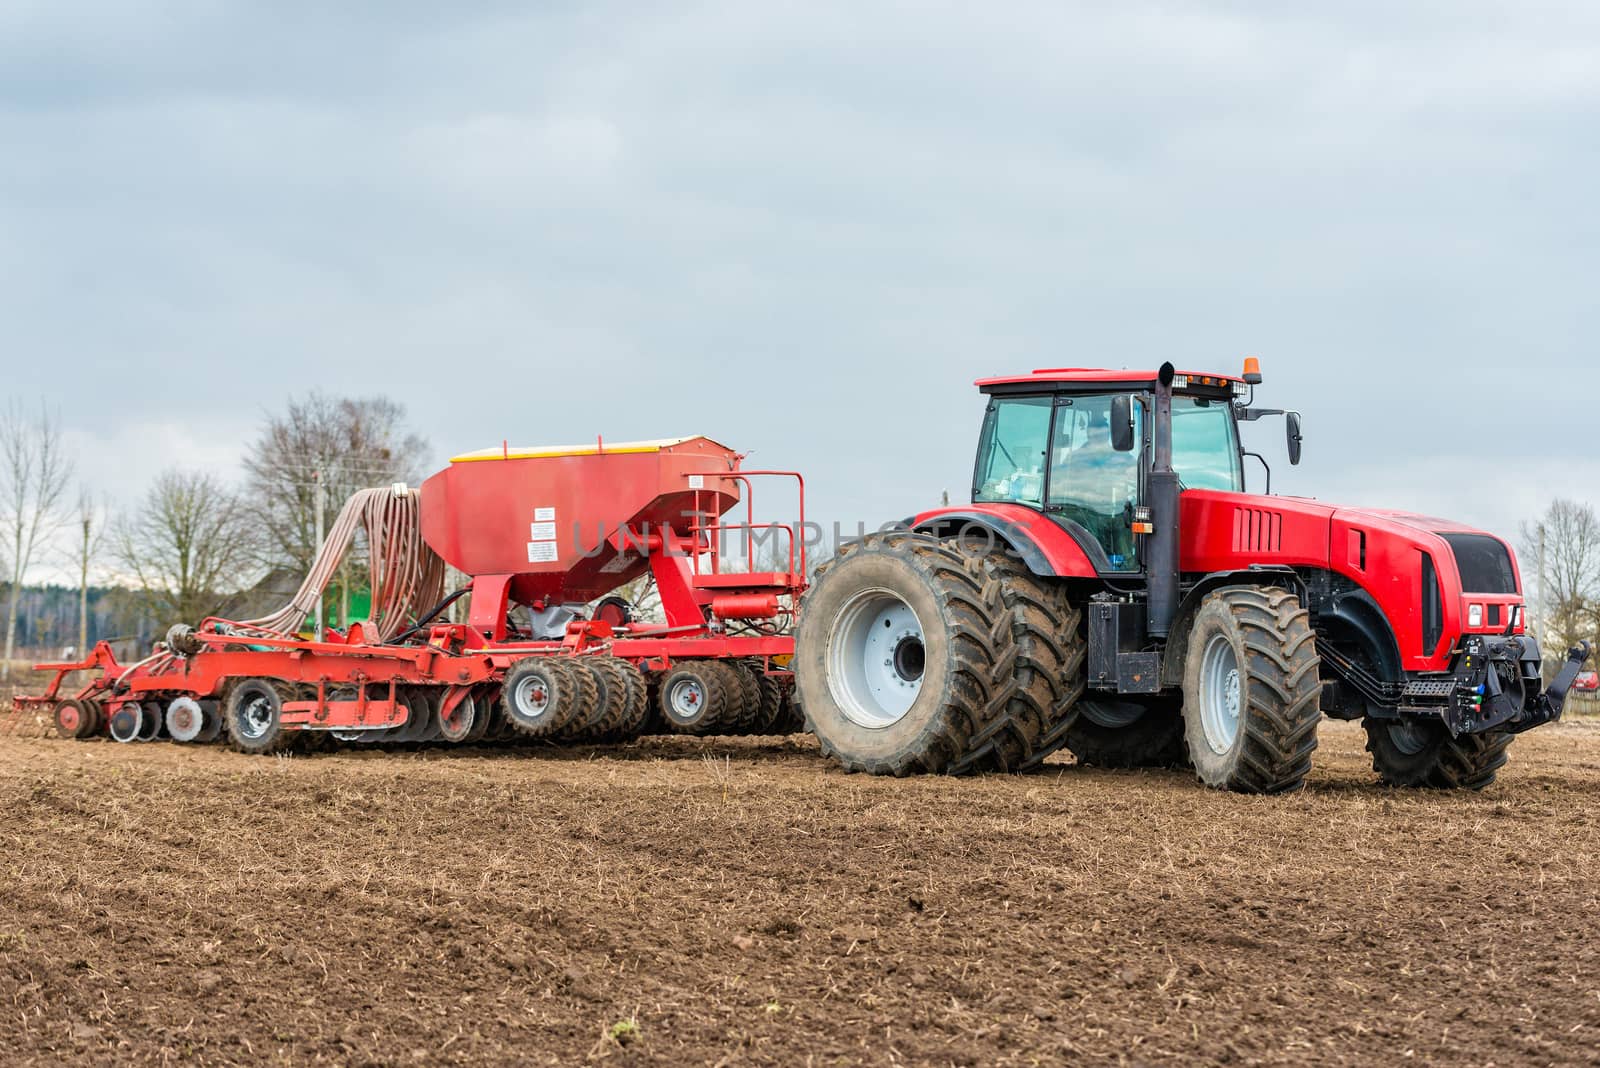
(1432,607)
(1257,530)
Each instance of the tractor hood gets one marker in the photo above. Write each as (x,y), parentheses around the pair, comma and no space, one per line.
(1434,578)
(1221,528)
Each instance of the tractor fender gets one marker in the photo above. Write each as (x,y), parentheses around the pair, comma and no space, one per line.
(1356,615)
(1045,548)
(1177,651)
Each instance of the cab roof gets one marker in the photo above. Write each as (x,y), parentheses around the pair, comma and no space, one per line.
(1095,377)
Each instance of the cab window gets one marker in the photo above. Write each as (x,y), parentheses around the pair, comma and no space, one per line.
(1205,448)
(1011,453)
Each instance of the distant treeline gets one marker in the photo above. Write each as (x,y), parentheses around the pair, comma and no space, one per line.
(47,618)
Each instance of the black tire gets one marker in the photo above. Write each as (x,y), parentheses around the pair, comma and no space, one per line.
(1049,671)
(1260,638)
(947,652)
(636,702)
(746,713)
(769,704)
(1422,753)
(73,719)
(543,694)
(251,716)
(701,697)
(606,713)
(1124,733)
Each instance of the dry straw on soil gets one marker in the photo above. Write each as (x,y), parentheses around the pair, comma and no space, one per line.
(646,905)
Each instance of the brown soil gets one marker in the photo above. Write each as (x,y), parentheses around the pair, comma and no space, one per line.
(651,904)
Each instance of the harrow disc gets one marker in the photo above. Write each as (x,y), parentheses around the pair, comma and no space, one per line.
(127,721)
(462,720)
(185,720)
(211,721)
(73,719)
(150,722)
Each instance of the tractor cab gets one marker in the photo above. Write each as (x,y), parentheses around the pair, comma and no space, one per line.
(1076,445)
(1079,446)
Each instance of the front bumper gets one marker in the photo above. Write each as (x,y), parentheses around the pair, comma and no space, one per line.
(1496,685)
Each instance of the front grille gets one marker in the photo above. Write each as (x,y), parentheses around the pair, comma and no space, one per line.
(1484,563)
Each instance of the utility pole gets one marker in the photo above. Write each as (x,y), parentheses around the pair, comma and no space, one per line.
(316,490)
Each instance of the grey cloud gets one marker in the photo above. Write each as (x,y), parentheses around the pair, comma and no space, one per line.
(806,228)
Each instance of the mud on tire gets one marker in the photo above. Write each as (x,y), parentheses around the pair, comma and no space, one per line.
(1423,753)
(1251,690)
(905,655)
(1048,669)
(703,697)
(251,716)
(542,695)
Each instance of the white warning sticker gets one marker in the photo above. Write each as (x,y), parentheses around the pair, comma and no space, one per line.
(544,515)
(621,563)
(697,481)
(542,531)
(541,552)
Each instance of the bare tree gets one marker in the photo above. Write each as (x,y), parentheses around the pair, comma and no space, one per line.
(188,546)
(1562,552)
(337,445)
(91,539)
(34,473)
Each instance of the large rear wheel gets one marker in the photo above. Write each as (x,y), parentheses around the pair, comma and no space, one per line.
(904,656)
(1251,690)
(1049,670)
(1412,752)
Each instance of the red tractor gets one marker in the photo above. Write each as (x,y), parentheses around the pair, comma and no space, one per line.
(1113,589)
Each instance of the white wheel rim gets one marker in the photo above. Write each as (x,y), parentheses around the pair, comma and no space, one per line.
(876,659)
(255,718)
(687,698)
(184,719)
(1220,695)
(533,696)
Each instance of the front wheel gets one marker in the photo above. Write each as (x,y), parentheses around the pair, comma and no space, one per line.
(1251,691)
(1413,752)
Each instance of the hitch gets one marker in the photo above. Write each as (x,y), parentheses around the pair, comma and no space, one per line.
(1549,705)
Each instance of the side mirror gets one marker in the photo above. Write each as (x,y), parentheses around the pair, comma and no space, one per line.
(1292,421)
(1122,422)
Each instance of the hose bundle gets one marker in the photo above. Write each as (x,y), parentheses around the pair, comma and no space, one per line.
(407,575)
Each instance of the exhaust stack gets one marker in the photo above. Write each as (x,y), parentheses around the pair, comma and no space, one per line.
(1161,546)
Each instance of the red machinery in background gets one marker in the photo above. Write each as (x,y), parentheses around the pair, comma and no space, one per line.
(543,535)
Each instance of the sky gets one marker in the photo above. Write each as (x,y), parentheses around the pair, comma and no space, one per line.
(804,229)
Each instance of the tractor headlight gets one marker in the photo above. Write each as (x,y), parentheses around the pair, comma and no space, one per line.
(1475,616)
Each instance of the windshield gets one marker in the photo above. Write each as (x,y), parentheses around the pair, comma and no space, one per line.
(1205,449)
